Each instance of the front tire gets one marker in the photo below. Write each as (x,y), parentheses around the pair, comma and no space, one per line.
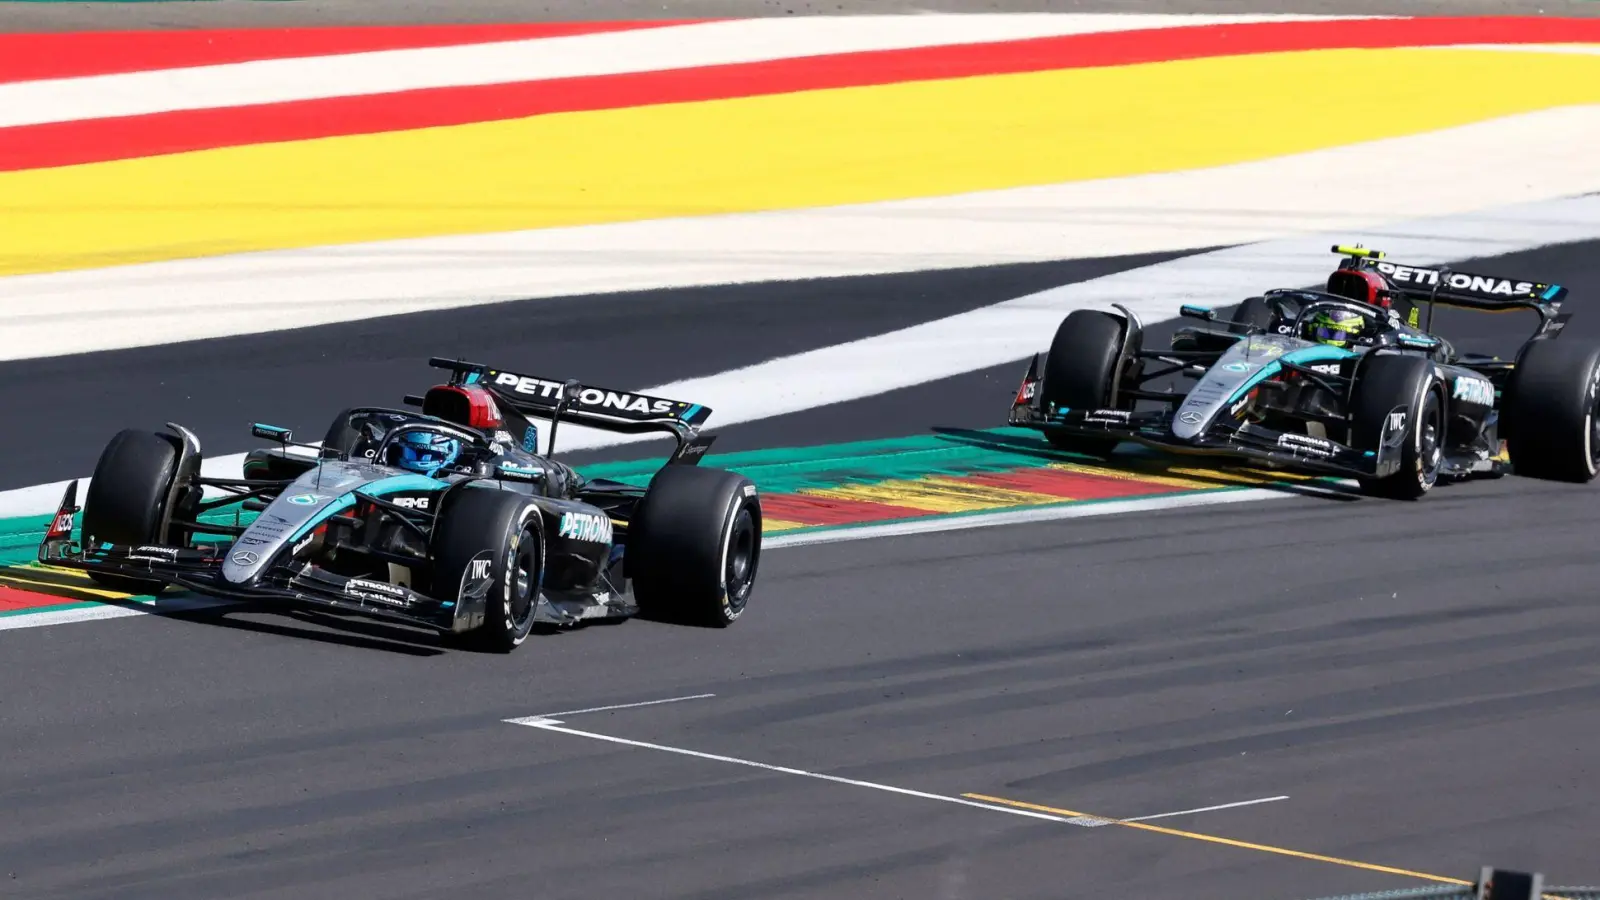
(505,527)
(127,498)
(1385,382)
(1078,374)
(1551,401)
(694,545)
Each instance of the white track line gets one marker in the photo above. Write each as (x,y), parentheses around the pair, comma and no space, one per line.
(1021,517)
(1400,185)
(1007,331)
(786,770)
(1083,821)
(1188,812)
(552,717)
(537,59)
(22,620)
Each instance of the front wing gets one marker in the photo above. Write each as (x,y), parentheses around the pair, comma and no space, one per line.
(199,569)
(1246,441)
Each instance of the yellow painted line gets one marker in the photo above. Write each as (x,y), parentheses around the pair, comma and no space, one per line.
(768,525)
(1213,839)
(111,595)
(1135,475)
(935,494)
(787,151)
(62,570)
(1243,476)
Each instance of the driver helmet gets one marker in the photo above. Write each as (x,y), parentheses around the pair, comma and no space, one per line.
(425,452)
(1333,326)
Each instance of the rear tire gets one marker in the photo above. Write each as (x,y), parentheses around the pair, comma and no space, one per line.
(506,526)
(127,499)
(1383,383)
(1078,373)
(694,545)
(1550,401)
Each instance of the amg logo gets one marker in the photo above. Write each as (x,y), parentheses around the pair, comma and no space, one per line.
(586,527)
(1326,368)
(1474,390)
(594,397)
(411,502)
(1457,281)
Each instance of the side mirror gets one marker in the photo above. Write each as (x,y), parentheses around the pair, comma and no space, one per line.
(1203,313)
(272,432)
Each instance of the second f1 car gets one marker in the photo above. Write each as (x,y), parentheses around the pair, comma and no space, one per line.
(447,518)
(1342,381)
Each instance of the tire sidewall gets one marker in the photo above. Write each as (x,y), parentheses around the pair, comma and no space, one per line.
(1423,476)
(502,619)
(729,610)
(680,544)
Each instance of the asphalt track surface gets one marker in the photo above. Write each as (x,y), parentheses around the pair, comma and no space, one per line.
(1418,679)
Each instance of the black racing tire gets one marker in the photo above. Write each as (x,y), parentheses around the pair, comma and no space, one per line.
(694,546)
(1550,407)
(1254,315)
(506,526)
(1078,373)
(127,498)
(1384,382)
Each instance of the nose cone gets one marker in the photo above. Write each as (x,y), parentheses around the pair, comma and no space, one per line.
(1190,422)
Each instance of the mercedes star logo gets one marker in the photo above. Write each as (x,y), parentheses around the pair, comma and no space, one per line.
(245,558)
(1190,418)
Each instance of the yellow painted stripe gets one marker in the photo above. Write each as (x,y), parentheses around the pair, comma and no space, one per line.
(1131,474)
(937,494)
(1212,839)
(770,152)
(111,595)
(1243,476)
(770,525)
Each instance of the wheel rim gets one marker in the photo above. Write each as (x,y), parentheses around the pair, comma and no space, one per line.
(1592,431)
(741,568)
(524,579)
(1429,451)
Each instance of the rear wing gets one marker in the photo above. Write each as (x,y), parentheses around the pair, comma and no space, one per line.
(624,412)
(1445,286)
(1452,287)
